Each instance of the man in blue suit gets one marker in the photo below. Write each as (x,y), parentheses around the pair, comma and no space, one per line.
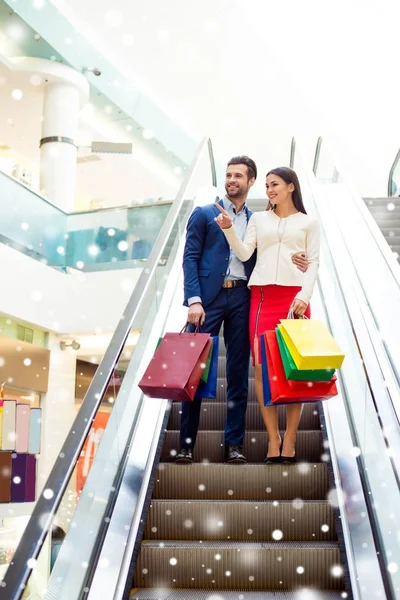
(216,292)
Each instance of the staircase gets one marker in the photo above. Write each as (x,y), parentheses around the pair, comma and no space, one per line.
(386,212)
(226,532)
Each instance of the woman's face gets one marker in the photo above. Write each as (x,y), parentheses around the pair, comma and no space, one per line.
(277,189)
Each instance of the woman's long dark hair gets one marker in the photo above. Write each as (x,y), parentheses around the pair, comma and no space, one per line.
(289,176)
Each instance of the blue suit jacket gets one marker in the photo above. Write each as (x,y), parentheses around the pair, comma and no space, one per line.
(206,255)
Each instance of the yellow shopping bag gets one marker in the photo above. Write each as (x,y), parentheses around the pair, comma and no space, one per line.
(311,344)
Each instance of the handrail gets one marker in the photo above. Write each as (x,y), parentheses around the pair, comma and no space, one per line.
(391,173)
(292,153)
(28,549)
(317,155)
(212,161)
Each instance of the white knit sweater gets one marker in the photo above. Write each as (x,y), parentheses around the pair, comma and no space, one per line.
(276,241)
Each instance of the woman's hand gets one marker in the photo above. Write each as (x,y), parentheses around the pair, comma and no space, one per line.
(223,220)
(298,307)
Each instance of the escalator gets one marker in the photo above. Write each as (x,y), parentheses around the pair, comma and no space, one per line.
(213,526)
(147,528)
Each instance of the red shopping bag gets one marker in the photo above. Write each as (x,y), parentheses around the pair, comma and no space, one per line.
(285,392)
(175,370)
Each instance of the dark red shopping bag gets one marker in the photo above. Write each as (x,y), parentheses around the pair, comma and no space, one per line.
(175,370)
(285,392)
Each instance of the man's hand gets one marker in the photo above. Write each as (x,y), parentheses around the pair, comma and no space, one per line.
(301,261)
(223,220)
(196,314)
(298,307)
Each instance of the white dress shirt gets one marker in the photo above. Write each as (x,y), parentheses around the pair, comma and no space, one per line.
(276,241)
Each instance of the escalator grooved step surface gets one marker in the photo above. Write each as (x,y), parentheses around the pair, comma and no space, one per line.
(240,521)
(251,566)
(213,415)
(241,482)
(210,446)
(168,594)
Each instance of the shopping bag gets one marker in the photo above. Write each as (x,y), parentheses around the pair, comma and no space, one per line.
(311,344)
(175,370)
(204,375)
(208,389)
(292,372)
(265,375)
(300,391)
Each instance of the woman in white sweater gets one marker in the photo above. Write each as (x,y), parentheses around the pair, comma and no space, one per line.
(276,284)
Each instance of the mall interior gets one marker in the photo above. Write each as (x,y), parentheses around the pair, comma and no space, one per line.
(114,125)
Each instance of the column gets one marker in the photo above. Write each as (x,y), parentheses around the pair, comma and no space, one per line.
(58,146)
(65,92)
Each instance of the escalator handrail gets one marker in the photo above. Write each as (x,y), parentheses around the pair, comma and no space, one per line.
(292,153)
(39,525)
(391,173)
(317,155)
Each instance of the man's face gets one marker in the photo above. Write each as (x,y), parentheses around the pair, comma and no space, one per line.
(237,183)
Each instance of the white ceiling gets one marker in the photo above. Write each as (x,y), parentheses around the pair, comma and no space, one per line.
(253,72)
(112,179)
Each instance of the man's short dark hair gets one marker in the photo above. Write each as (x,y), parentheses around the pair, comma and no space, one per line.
(249,162)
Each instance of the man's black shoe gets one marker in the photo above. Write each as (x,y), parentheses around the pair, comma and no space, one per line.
(233,455)
(185,456)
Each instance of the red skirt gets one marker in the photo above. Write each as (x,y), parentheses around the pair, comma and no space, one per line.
(268,305)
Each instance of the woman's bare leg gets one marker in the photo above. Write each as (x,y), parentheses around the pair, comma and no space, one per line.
(268,413)
(293,415)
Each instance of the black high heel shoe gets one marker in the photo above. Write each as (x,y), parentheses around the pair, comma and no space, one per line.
(274,460)
(288,460)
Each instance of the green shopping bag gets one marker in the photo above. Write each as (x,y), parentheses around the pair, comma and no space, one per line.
(206,372)
(292,372)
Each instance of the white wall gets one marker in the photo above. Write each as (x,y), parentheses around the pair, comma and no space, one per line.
(77,303)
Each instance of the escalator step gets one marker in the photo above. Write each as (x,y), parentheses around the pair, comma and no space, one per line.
(237,482)
(227,565)
(242,521)
(168,594)
(213,415)
(210,446)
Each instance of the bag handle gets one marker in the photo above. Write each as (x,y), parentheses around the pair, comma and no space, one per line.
(291,315)
(183,330)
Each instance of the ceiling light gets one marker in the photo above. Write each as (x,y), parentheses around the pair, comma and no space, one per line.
(35,80)
(17,94)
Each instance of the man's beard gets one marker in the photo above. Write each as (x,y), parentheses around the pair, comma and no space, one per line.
(235,192)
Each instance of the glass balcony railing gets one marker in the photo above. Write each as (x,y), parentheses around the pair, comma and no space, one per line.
(96,240)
